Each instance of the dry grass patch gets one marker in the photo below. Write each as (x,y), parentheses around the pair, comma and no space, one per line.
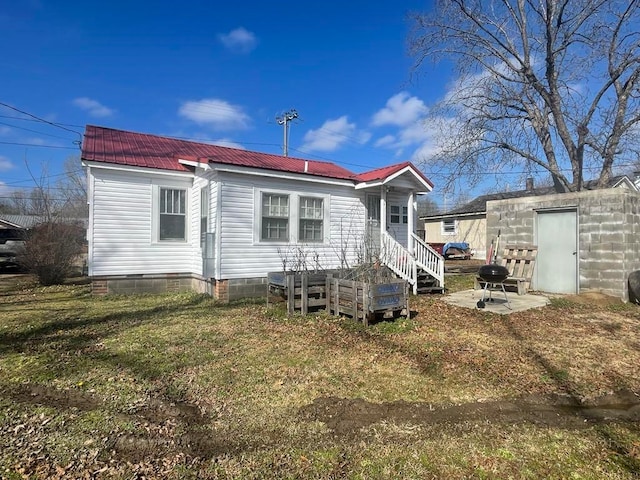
(179,386)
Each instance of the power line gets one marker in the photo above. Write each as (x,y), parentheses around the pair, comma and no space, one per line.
(43,120)
(36,145)
(33,131)
(13,117)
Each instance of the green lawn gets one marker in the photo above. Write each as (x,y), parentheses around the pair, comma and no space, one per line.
(179,386)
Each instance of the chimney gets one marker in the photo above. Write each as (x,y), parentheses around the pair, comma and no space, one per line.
(529,184)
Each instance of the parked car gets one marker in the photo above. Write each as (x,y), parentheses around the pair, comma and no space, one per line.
(11,245)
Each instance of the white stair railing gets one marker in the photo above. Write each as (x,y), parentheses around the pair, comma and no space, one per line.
(399,260)
(428,259)
(404,264)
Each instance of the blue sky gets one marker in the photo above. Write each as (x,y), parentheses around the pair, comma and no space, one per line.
(213,71)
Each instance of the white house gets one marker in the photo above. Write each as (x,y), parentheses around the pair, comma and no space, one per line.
(168,214)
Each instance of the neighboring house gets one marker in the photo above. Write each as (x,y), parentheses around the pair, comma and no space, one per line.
(468,222)
(21,222)
(25,222)
(169,214)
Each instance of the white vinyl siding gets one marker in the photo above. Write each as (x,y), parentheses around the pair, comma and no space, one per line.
(125,217)
(244,255)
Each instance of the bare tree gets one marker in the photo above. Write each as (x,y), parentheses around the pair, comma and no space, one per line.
(72,189)
(427,206)
(54,244)
(544,84)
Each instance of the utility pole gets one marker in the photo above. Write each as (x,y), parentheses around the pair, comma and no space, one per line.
(284,120)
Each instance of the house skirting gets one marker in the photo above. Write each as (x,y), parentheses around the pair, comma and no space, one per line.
(223,290)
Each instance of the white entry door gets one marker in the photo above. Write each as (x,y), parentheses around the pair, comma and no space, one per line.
(556,269)
(373,225)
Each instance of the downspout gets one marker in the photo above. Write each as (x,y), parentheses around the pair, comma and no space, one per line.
(90,239)
(216,233)
(410,222)
(383,213)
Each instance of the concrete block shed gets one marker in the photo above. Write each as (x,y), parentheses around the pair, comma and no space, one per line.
(587,241)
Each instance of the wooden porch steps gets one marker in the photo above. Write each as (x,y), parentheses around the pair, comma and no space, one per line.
(428,284)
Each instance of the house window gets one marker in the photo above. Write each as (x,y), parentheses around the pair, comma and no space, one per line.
(275,217)
(311,219)
(395,217)
(394,214)
(173,214)
(204,214)
(448,227)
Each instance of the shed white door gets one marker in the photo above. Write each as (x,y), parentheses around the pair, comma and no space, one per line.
(556,269)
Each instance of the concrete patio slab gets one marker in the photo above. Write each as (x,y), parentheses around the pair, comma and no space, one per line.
(519,303)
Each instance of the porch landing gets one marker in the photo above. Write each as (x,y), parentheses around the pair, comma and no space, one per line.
(519,303)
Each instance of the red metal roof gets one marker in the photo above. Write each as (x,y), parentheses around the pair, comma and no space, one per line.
(121,147)
(385,172)
(151,151)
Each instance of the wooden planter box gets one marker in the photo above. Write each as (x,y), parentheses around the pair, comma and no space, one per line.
(300,290)
(363,301)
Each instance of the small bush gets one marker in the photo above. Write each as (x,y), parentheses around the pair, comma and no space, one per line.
(50,249)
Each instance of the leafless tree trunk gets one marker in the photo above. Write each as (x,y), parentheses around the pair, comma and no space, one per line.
(544,84)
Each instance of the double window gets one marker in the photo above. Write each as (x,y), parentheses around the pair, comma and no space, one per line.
(173,214)
(281,214)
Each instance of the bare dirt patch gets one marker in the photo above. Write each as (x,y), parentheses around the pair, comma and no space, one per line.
(345,417)
(593,298)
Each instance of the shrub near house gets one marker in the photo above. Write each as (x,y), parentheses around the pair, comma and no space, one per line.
(50,250)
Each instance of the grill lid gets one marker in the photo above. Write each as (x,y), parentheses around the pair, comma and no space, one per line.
(493,272)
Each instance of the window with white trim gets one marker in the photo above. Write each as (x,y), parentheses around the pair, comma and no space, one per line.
(173,214)
(275,217)
(396,217)
(394,214)
(311,219)
(449,227)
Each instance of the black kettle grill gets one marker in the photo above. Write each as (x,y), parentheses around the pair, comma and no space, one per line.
(492,275)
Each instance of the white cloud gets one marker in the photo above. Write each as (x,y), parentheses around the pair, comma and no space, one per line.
(4,130)
(5,164)
(215,113)
(401,110)
(332,135)
(225,142)
(386,141)
(239,40)
(93,107)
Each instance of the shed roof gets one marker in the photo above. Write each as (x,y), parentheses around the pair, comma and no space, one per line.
(479,204)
